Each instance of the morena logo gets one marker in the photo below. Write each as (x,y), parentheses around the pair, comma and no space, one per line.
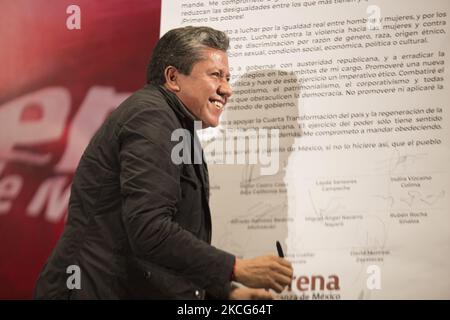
(315,287)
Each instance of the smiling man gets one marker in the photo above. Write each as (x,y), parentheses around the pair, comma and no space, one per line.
(139,225)
(205,90)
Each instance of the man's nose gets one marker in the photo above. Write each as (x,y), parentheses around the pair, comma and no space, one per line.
(225,89)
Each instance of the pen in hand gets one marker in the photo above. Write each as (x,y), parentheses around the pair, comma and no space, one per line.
(280,250)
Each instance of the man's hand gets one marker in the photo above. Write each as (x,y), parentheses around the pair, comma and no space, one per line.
(269,272)
(242,293)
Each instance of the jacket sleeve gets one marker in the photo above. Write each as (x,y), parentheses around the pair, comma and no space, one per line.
(150,189)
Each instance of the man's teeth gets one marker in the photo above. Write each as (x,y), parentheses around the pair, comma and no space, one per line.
(219,105)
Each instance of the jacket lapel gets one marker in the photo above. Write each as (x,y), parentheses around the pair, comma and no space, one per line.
(187,121)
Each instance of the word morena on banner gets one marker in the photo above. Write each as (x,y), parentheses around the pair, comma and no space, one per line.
(41,118)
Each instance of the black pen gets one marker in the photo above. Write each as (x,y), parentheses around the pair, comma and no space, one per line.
(280,250)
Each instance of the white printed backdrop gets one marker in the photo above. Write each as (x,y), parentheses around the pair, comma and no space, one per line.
(359,92)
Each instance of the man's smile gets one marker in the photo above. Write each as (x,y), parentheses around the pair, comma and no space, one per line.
(219,104)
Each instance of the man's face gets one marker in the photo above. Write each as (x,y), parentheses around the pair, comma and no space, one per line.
(206,90)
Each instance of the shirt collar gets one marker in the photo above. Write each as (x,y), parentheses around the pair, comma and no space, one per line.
(177,105)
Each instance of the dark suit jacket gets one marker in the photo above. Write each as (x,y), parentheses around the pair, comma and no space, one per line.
(139,225)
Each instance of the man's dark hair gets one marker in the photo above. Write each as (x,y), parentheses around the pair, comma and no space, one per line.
(182,48)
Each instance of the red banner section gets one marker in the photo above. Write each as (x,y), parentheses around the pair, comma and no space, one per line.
(65,66)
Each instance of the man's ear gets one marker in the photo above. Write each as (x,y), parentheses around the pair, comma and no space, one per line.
(171,76)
